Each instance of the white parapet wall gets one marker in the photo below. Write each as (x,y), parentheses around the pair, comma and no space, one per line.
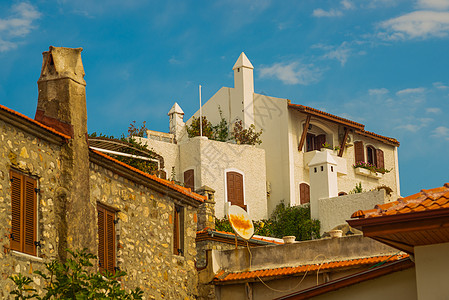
(335,211)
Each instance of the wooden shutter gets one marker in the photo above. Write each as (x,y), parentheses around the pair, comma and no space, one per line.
(304,193)
(189,179)
(235,189)
(359,151)
(101,239)
(106,239)
(319,141)
(176,231)
(29,216)
(380,159)
(16,208)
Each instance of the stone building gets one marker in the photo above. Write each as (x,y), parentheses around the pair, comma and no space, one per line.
(57,193)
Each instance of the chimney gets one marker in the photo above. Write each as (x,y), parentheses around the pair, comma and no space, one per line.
(62,106)
(177,124)
(244,88)
(323,179)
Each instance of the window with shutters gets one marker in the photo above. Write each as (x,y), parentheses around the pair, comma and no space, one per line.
(374,156)
(315,142)
(189,179)
(371,155)
(178,230)
(304,193)
(106,238)
(235,192)
(23,236)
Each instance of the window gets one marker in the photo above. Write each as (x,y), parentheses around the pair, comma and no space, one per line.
(373,156)
(304,193)
(235,192)
(315,142)
(178,230)
(24,213)
(189,179)
(106,238)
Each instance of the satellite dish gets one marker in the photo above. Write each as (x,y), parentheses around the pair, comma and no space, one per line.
(240,222)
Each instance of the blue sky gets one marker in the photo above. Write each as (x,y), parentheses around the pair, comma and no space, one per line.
(383,63)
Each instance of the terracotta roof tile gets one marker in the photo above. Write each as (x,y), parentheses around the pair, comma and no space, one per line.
(378,136)
(223,276)
(325,114)
(169,184)
(425,200)
(34,122)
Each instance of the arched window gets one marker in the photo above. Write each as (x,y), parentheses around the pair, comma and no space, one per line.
(371,155)
(234,182)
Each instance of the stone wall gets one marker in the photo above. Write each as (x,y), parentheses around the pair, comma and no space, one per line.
(145,236)
(40,159)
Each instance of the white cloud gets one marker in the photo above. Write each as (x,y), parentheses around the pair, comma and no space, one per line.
(433,110)
(440,85)
(418,24)
(410,91)
(341,53)
(409,127)
(347,4)
(292,73)
(174,61)
(381,91)
(326,13)
(441,132)
(18,24)
(433,4)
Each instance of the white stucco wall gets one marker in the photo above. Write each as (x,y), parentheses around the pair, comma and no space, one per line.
(335,211)
(432,271)
(168,151)
(217,158)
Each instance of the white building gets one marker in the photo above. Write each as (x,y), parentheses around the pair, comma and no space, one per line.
(292,137)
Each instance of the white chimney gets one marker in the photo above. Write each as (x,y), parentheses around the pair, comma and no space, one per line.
(323,179)
(244,88)
(177,124)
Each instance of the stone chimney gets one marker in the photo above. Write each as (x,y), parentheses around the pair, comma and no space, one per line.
(62,106)
(206,211)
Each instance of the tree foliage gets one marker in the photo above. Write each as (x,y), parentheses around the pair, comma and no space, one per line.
(284,221)
(74,279)
(146,166)
(245,136)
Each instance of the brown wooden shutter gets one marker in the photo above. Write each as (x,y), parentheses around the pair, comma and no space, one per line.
(29,216)
(16,208)
(101,239)
(380,159)
(320,140)
(189,179)
(359,151)
(304,193)
(235,189)
(106,239)
(175,231)
(110,241)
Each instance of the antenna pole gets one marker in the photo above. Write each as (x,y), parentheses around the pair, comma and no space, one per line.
(201,115)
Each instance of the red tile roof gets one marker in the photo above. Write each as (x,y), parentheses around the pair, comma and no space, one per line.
(326,115)
(34,121)
(231,235)
(223,276)
(376,136)
(425,200)
(360,128)
(169,184)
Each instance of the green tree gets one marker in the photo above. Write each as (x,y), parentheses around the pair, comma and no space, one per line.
(74,279)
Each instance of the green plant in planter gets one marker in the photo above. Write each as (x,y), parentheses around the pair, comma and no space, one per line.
(337,148)
(326,145)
